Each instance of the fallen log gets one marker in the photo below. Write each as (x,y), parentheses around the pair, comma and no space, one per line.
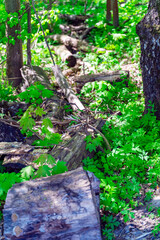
(65,55)
(76,19)
(70,42)
(67,90)
(12,107)
(115,76)
(10,133)
(66,28)
(58,207)
(75,43)
(71,150)
(34,74)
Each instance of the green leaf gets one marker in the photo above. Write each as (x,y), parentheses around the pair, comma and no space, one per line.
(47,93)
(26,122)
(60,167)
(47,123)
(45,158)
(43,171)
(27,172)
(39,111)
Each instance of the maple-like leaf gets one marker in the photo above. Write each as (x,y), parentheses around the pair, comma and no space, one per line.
(39,111)
(43,171)
(27,122)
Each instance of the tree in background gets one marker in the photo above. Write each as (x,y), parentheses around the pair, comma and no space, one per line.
(14,44)
(28,10)
(149,33)
(112,5)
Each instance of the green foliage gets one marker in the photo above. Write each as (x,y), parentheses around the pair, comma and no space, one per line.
(35,94)
(92,144)
(106,97)
(6,92)
(7,180)
(110,224)
(47,167)
(156,229)
(134,139)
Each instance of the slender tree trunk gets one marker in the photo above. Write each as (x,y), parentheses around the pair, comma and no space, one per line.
(149,32)
(14,48)
(50,4)
(115,13)
(28,10)
(108,12)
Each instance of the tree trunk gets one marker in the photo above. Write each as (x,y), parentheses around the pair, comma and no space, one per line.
(28,10)
(108,12)
(14,49)
(115,13)
(148,30)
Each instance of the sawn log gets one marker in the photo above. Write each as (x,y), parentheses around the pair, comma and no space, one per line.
(65,55)
(61,207)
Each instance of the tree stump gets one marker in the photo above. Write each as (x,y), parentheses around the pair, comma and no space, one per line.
(61,207)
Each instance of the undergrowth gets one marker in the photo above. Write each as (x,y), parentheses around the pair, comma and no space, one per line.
(135,142)
(134,137)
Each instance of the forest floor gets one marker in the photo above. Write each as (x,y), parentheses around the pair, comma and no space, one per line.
(141,226)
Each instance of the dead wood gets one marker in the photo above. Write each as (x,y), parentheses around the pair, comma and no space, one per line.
(70,42)
(34,74)
(9,133)
(67,90)
(75,43)
(72,150)
(14,148)
(65,55)
(72,27)
(76,19)
(80,81)
(57,207)
(12,108)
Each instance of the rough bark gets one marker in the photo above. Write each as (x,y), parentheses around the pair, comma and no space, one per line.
(28,10)
(65,55)
(149,32)
(72,27)
(70,41)
(14,51)
(108,11)
(59,207)
(73,148)
(10,133)
(54,105)
(115,13)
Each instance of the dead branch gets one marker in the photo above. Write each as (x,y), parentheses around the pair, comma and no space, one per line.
(67,90)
